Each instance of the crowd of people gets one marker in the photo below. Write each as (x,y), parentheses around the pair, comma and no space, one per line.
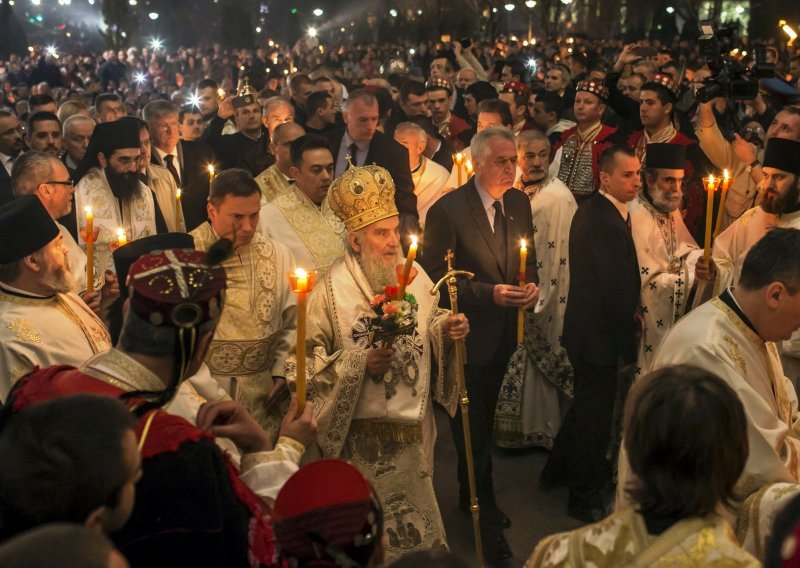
(632,239)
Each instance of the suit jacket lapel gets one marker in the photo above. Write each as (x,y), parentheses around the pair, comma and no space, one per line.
(180,161)
(482,222)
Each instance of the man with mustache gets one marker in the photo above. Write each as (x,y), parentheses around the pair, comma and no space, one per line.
(44,322)
(303,219)
(44,133)
(109,183)
(667,253)
(528,412)
(375,399)
(780,207)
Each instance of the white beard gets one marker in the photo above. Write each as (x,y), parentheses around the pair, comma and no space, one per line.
(378,274)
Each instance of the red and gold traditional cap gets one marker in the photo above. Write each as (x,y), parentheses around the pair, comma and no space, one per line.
(326,510)
(176,287)
(439,83)
(597,89)
(665,81)
(515,87)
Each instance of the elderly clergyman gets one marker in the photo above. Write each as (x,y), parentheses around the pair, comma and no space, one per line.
(375,404)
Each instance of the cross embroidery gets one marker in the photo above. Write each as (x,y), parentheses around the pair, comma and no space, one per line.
(551,244)
(645,270)
(653,285)
(648,348)
(553,281)
(660,323)
(562,300)
(563,262)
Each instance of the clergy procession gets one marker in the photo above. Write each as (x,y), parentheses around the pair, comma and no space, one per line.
(350,299)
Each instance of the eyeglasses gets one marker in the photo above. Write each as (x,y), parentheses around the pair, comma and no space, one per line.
(68,182)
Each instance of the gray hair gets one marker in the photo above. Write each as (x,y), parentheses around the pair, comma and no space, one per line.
(158,109)
(480,142)
(528,136)
(69,109)
(30,170)
(416,128)
(276,101)
(73,121)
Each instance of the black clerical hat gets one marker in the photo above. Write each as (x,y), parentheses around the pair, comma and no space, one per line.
(781,154)
(107,138)
(126,255)
(25,227)
(666,156)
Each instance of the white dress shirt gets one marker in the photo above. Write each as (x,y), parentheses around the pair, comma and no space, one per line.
(175,161)
(488,203)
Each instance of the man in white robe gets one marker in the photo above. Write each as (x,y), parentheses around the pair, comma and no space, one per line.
(780,207)
(429,177)
(258,320)
(666,251)
(276,179)
(110,186)
(733,336)
(374,403)
(529,405)
(302,218)
(43,321)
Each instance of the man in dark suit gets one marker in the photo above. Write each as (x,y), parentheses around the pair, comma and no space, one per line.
(187,161)
(482,222)
(365,145)
(601,325)
(10,148)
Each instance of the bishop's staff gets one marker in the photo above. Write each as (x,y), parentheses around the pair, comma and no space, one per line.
(451,279)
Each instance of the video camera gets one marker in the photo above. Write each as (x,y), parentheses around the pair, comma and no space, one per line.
(731,79)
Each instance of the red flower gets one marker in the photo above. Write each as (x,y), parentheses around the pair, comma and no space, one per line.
(391,291)
(390,309)
(378,300)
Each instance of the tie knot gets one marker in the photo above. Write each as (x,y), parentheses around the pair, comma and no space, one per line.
(168,158)
(497,207)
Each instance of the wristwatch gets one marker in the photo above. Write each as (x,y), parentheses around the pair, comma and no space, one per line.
(750,167)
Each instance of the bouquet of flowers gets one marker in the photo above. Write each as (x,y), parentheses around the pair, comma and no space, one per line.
(394,316)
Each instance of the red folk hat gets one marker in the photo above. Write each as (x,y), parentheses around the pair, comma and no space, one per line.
(327,511)
(597,89)
(515,87)
(176,287)
(665,81)
(439,83)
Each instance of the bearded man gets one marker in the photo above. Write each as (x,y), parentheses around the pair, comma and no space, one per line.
(375,398)
(110,185)
(45,322)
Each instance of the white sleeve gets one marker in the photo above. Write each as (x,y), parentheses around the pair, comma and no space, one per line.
(266,472)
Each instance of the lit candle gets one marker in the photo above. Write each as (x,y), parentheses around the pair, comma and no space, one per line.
(459,160)
(470,171)
(523,259)
(726,182)
(211,172)
(412,254)
(301,283)
(710,185)
(122,238)
(178,209)
(221,93)
(88,237)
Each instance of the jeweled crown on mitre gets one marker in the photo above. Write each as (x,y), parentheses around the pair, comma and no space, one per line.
(362,195)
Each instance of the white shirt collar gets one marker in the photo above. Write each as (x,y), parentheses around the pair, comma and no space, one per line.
(621,206)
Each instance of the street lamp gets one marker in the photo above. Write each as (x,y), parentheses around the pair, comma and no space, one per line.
(509,7)
(318,12)
(530,3)
(670,10)
(153,15)
(393,13)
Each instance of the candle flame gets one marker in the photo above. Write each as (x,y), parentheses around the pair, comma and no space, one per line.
(210,169)
(414,240)
(178,193)
(711,179)
(300,273)
(523,245)
(726,175)
(221,92)
(469,166)
(88,210)
(121,236)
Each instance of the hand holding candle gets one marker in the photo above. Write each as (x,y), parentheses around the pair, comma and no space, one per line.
(523,259)
(710,184)
(301,283)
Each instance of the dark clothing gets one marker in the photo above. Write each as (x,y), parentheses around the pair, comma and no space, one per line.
(385,152)
(600,338)
(237,150)
(458,222)
(444,155)
(5,186)
(194,158)
(109,71)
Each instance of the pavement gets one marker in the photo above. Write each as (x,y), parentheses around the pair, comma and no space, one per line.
(534,514)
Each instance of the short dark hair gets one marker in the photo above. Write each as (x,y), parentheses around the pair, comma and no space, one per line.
(608,158)
(315,102)
(499,107)
(236,182)
(40,100)
(62,459)
(552,103)
(662,93)
(426,123)
(411,87)
(686,439)
(187,109)
(774,258)
(206,83)
(517,68)
(298,80)
(305,143)
(106,97)
(41,116)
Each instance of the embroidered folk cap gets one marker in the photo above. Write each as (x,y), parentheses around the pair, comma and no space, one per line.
(328,512)
(439,83)
(363,195)
(515,87)
(597,89)
(664,81)
(176,287)
(25,227)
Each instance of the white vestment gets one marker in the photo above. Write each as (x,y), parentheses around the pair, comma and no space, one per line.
(40,331)
(429,180)
(730,249)
(315,235)
(528,410)
(667,256)
(77,262)
(272,183)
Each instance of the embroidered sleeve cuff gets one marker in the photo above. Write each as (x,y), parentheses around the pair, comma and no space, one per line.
(286,450)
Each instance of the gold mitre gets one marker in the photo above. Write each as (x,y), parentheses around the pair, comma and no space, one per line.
(362,195)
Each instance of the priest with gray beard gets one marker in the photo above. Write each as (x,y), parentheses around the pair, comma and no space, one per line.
(109,184)
(374,404)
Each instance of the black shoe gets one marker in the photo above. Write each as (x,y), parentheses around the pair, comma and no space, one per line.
(491,515)
(586,514)
(496,549)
